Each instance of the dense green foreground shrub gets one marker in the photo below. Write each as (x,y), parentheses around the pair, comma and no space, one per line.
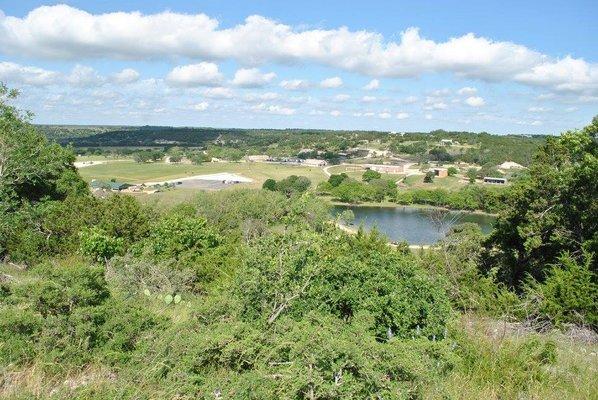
(293,322)
(64,316)
(296,273)
(568,295)
(142,347)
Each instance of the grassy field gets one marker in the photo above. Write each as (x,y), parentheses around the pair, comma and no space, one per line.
(94,158)
(449,183)
(132,172)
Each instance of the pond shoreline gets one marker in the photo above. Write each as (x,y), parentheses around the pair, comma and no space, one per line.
(353,231)
(388,204)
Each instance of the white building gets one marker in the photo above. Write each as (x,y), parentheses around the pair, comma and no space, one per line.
(386,169)
(258,158)
(510,165)
(495,180)
(314,162)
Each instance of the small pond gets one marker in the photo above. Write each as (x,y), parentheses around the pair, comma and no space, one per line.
(419,226)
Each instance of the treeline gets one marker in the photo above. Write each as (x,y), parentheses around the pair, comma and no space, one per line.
(61,132)
(471,197)
(481,148)
(349,190)
(373,188)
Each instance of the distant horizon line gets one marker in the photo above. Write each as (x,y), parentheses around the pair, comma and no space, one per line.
(295,129)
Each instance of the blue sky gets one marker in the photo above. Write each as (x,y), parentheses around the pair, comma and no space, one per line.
(502,67)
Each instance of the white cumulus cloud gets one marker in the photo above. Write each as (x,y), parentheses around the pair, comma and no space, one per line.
(332,83)
(567,75)
(200,106)
(20,74)
(538,109)
(82,75)
(372,85)
(435,103)
(467,91)
(202,74)
(274,109)
(218,93)
(65,32)
(252,77)
(294,84)
(342,97)
(127,75)
(402,115)
(475,101)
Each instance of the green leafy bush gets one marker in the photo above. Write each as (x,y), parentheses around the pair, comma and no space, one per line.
(471,197)
(336,179)
(429,177)
(269,184)
(370,174)
(176,235)
(60,289)
(295,273)
(122,216)
(552,211)
(568,294)
(17,328)
(95,243)
(63,314)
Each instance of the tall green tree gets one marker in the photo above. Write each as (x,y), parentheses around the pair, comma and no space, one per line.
(31,168)
(34,174)
(552,211)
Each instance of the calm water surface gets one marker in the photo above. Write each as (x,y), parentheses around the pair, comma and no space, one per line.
(413,225)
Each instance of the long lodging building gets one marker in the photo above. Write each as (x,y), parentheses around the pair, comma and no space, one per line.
(314,162)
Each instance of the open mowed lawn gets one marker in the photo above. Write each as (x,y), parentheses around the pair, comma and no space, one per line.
(132,172)
(449,183)
(93,158)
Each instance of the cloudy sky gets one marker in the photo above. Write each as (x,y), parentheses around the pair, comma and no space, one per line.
(503,67)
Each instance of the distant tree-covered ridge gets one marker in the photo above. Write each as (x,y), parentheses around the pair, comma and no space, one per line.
(479,148)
